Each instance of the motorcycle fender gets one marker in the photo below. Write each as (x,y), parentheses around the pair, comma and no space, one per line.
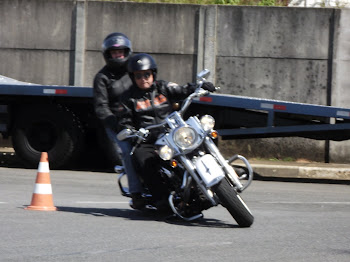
(209,170)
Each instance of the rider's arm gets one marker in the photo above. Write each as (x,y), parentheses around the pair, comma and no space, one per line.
(101,101)
(175,91)
(125,116)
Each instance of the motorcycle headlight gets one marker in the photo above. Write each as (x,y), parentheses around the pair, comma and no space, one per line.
(166,153)
(207,122)
(185,137)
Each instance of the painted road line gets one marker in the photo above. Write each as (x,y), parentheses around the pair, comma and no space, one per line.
(317,203)
(102,202)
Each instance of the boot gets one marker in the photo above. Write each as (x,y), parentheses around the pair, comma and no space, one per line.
(163,206)
(137,202)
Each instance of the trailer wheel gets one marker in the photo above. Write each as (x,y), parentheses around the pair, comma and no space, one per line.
(52,129)
(106,148)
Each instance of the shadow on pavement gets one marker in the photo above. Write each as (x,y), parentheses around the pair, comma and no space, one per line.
(145,216)
(300,180)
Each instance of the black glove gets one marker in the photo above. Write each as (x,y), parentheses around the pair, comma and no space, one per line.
(208,86)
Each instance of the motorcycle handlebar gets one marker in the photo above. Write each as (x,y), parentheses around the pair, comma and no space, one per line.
(199,92)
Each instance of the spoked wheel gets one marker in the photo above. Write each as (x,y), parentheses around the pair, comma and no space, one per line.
(233,202)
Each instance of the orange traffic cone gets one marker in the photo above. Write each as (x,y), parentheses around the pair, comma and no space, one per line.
(42,196)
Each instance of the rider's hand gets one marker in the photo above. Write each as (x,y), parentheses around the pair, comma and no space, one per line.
(208,86)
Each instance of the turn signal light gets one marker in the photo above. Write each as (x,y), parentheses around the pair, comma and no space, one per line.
(173,163)
(214,134)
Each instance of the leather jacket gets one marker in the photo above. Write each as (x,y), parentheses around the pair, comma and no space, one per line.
(111,91)
(152,106)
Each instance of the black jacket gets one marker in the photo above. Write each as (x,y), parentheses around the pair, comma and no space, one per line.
(111,90)
(153,105)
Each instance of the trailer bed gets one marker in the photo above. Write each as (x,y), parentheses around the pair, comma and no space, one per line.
(248,117)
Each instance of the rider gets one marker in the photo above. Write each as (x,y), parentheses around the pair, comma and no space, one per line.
(150,103)
(111,88)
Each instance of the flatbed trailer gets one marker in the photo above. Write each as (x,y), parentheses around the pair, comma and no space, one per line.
(249,117)
(57,119)
(61,121)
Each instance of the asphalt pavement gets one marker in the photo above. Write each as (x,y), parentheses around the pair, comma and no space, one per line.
(292,222)
(263,169)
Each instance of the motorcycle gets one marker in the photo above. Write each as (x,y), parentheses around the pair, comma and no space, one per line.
(197,175)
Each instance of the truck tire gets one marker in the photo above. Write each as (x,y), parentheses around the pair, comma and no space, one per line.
(112,158)
(53,129)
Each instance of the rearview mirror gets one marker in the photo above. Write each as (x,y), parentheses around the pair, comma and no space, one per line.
(203,74)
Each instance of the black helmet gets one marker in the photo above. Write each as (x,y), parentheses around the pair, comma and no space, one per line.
(116,41)
(142,62)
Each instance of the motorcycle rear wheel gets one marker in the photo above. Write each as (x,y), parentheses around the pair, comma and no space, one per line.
(230,199)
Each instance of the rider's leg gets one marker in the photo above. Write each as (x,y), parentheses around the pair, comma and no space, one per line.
(124,148)
(148,161)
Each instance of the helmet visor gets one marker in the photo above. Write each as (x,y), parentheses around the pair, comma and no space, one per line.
(116,42)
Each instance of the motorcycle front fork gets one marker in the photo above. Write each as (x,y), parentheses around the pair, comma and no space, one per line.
(232,174)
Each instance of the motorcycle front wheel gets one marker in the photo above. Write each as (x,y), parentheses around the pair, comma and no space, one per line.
(230,199)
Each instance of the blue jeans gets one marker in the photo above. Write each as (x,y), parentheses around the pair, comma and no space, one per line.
(123,148)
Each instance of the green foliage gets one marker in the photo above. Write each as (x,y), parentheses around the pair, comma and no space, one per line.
(253,2)
(227,2)
(267,3)
(221,2)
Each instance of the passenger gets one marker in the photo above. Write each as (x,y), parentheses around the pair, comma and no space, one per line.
(150,103)
(111,89)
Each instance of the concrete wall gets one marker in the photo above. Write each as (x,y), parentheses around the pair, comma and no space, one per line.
(340,95)
(275,53)
(268,61)
(293,54)
(169,32)
(36,40)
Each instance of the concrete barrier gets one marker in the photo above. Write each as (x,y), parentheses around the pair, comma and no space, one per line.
(297,170)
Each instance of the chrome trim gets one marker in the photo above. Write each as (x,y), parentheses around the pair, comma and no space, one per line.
(231,173)
(249,167)
(173,208)
(190,168)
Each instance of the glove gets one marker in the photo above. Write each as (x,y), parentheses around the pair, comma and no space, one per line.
(208,86)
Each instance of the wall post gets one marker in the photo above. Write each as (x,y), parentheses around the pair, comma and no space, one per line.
(80,39)
(209,41)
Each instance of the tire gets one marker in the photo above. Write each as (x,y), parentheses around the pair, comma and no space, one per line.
(47,128)
(233,203)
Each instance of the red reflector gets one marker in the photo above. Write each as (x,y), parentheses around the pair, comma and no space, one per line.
(61,91)
(206,99)
(279,107)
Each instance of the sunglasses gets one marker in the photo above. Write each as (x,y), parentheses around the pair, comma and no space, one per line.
(146,75)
